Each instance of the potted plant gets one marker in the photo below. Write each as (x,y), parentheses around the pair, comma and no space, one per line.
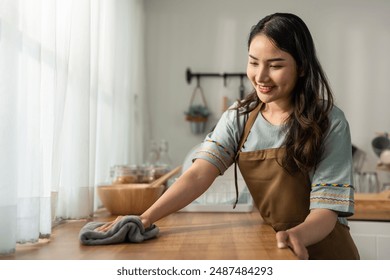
(197,115)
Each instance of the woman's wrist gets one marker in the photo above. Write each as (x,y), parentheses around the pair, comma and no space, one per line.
(145,221)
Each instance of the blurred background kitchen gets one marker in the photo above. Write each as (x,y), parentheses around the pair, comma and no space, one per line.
(86,85)
(352,40)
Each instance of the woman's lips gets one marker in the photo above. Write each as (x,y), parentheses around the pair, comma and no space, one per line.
(264,89)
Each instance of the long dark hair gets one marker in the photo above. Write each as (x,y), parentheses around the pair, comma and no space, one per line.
(312,97)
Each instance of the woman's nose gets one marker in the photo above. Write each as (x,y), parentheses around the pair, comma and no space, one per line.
(262,75)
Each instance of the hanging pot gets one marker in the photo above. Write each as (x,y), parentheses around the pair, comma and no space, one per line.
(197,115)
(197,124)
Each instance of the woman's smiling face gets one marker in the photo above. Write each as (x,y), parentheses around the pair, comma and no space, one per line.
(272,72)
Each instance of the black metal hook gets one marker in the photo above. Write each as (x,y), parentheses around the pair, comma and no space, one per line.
(190,75)
(225,76)
(197,81)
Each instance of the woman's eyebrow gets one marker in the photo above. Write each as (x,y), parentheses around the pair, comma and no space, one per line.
(268,60)
(275,59)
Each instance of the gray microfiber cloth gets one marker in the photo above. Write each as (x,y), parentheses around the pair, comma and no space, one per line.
(128,229)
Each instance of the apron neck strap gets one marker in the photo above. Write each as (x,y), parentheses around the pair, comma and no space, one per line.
(247,128)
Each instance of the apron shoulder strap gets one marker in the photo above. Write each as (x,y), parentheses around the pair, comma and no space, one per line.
(247,128)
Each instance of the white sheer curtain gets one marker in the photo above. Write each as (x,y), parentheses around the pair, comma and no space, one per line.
(71,106)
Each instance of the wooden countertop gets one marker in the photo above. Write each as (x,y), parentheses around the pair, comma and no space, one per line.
(183,236)
(209,236)
(188,235)
(372,207)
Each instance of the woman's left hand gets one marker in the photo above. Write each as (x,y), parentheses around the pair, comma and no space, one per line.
(287,238)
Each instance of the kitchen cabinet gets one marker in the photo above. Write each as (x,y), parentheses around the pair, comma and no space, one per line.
(372,239)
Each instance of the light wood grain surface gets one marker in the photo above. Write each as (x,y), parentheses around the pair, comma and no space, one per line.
(372,206)
(183,236)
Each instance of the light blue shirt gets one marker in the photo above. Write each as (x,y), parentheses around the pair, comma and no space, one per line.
(332,179)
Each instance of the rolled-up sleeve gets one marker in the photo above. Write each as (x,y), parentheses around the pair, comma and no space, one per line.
(219,146)
(332,185)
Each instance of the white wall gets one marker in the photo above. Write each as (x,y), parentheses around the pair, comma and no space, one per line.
(352,39)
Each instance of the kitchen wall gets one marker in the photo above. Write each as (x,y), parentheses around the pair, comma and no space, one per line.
(352,39)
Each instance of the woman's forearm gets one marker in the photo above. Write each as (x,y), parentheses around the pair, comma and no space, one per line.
(317,225)
(189,186)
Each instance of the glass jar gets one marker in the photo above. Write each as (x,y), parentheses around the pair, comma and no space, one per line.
(153,154)
(124,174)
(160,170)
(146,174)
(164,159)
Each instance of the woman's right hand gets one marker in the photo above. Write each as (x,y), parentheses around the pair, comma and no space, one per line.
(145,221)
(109,225)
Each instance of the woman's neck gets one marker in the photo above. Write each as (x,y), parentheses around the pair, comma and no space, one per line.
(276,114)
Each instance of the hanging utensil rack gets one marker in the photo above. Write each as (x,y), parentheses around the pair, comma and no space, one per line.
(225,76)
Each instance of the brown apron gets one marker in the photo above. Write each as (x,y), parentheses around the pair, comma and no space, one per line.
(283,199)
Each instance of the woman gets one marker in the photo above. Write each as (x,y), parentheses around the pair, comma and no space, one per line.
(291,143)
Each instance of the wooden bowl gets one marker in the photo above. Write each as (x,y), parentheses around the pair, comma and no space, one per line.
(129,199)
